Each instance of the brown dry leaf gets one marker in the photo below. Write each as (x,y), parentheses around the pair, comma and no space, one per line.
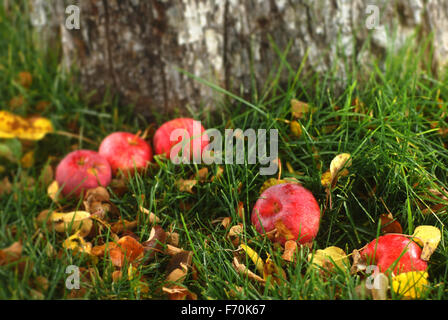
(157,238)
(25,79)
(153,219)
(240,210)
(178,266)
(242,269)
(176,292)
(42,106)
(17,102)
(119,186)
(299,108)
(201,175)
(14,126)
(172,238)
(235,233)
(218,174)
(127,250)
(5,186)
(226,222)
(100,251)
(123,225)
(172,250)
(389,224)
(186,185)
(290,250)
(11,253)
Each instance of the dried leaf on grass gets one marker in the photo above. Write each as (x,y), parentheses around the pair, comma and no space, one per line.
(11,254)
(14,126)
(186,185)
(329,257)
(242,269)
(259,264)
(127,250)
(389,224)
(176,292)
(178,266)
(429,237)
(411,285)
(290,250)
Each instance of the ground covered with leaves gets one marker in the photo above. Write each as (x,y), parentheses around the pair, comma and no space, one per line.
(374,156)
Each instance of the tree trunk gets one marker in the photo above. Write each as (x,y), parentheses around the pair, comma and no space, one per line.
(134,47)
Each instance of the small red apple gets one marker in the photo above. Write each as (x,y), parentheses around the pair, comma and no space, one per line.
(291,205)
(188,128)
(81,170)
(394,248)
(125,151)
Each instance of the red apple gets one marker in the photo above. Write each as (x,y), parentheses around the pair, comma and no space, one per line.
(189,128)
(289,206)
(394,248)
(81,170)
(125,151)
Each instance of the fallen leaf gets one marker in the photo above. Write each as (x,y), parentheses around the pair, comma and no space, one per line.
(25,79)
(299,108)
(296,128)
(127,250)
(77,244)
(14,126)
(11,254)
(186,185)
(273,271)
(411,285)
(75,221)
(218,174)
(259,265)
(241,269)
(428,237)
(338,163)
(157,238)
(329,257)
(235,233)
(201,174)
(53,191)
(283,230)
(389,224)
(271,182)
(176,292)
(290,250)
(178,266)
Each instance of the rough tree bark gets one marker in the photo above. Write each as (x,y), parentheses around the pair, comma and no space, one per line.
(134,46)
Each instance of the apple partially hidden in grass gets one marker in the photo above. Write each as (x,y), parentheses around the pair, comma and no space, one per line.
(392,249)
(169,137)
(125,151)
(81,170)
(290,209)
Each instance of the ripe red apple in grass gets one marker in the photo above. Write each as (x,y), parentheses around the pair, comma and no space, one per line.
(81,170)
(394,248)
(168,138)
(125,151)
(289,208)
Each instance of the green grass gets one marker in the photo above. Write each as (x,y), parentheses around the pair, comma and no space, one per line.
(395,151)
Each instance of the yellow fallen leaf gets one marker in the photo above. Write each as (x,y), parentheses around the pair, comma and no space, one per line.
(325,179)
(339,162)
(411,285)
(429,237)
(186,185)
(254,257)
(328,257)
(14,126)
(296,128)
(27,160)
(78,244)
(273,271)
(78,221)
